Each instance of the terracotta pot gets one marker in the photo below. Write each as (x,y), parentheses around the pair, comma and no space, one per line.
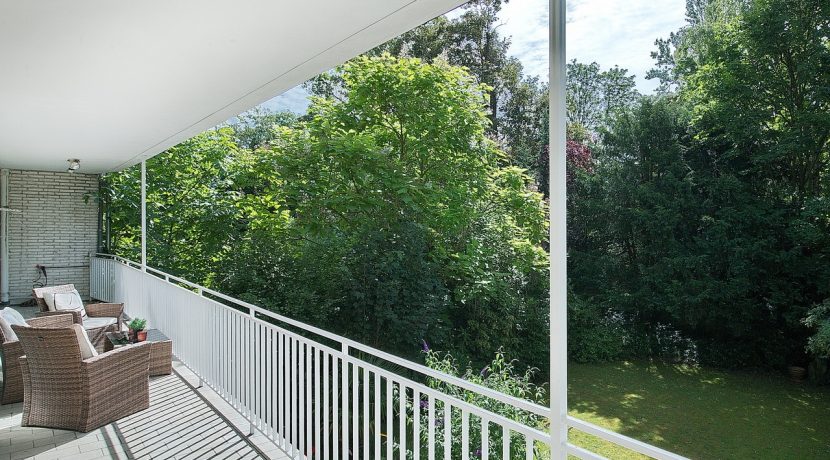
(141,336)
(797,373)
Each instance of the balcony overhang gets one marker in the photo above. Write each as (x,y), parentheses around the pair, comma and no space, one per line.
(114,83)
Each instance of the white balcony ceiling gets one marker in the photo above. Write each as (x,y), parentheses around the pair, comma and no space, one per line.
(115,82)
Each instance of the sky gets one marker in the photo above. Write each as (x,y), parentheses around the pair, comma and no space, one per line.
(610,32)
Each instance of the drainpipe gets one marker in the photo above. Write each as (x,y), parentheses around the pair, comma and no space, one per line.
(4,236)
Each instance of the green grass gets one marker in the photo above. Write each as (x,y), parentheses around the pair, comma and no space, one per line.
(700,413)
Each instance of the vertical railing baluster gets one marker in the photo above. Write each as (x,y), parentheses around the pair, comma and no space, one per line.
(302,380)
(431,428)
(308,402)
(318,405)
(390,429)
(335,406)
(377,415)
(416,424)
(465,434)
(505,443)
(402,421)
(366,415)
(485,438)
(355,412)
(326,406)
(295,431)
(344,396)
(281,387)
(447,430)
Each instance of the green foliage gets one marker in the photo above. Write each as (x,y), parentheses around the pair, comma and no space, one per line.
(386,213)
(819,319)
(596,333)
(593,96)
(137,324)
(705,218)
(191,206)
(500,375)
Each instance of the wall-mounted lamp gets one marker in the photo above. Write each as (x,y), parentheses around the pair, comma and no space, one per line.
(74,164)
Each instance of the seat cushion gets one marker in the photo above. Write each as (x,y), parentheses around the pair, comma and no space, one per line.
(8,317)
(69,301)
(87,350)
(94,322)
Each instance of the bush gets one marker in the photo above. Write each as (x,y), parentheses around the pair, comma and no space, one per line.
(500,375)
(819,318)
(595,333)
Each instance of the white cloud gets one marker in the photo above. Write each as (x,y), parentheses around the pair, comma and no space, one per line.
(610,32)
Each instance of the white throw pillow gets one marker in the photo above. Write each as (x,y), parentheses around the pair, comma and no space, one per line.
(87,350)
(49,298)
(8,317)
(69,301)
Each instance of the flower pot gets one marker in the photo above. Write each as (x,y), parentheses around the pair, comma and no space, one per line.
(141,336)
(797,373)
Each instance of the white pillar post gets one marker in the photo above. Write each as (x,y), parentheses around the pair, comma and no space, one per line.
(143,216)
(4,236)
(558,235)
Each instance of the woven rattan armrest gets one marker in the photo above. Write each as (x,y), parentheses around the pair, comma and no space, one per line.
(109,310)
(76,315)
(131,360)
(59,319)
(112,310)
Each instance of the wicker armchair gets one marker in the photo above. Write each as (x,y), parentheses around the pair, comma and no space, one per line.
(97,334)
(62,391)
(12,351)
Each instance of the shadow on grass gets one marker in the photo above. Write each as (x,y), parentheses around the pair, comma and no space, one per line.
(702,413)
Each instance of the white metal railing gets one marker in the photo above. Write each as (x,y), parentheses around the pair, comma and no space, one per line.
(318,401)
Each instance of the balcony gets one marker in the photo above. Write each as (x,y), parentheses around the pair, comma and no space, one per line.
(314,394)
(101,94)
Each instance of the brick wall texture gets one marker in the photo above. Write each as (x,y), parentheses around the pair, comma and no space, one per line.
(58,228)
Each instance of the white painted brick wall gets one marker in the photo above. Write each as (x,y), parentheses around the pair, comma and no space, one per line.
(58,227)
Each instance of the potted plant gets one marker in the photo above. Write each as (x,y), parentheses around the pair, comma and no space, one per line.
(137,331)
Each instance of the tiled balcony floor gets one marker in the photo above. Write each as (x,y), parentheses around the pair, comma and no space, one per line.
(180,424)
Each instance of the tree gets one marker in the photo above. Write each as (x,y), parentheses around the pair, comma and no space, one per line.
(390,218)
(705,223)
(191,213)
(472,40)
(255,128)
(594,96)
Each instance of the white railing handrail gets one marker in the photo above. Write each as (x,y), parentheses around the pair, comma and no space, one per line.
(346,344)
(622,440)
(523,404)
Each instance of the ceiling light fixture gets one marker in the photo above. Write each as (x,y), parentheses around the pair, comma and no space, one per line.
(74,164)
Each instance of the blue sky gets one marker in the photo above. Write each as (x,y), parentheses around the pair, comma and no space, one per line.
(610,32)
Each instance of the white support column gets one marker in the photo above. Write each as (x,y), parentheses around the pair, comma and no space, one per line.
(558,236)
(4,236)
(143,216)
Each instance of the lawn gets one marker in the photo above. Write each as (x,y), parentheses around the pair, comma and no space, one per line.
(701,413)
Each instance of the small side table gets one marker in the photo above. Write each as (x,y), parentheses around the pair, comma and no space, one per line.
(161,349)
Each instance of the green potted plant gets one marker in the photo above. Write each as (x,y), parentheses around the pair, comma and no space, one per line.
(137,330)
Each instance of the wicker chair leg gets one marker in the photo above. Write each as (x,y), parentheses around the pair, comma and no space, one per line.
(12,381)
(27,393)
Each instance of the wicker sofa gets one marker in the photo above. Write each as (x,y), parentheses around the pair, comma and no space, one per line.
(62,390)
(13,350)
(99,315)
